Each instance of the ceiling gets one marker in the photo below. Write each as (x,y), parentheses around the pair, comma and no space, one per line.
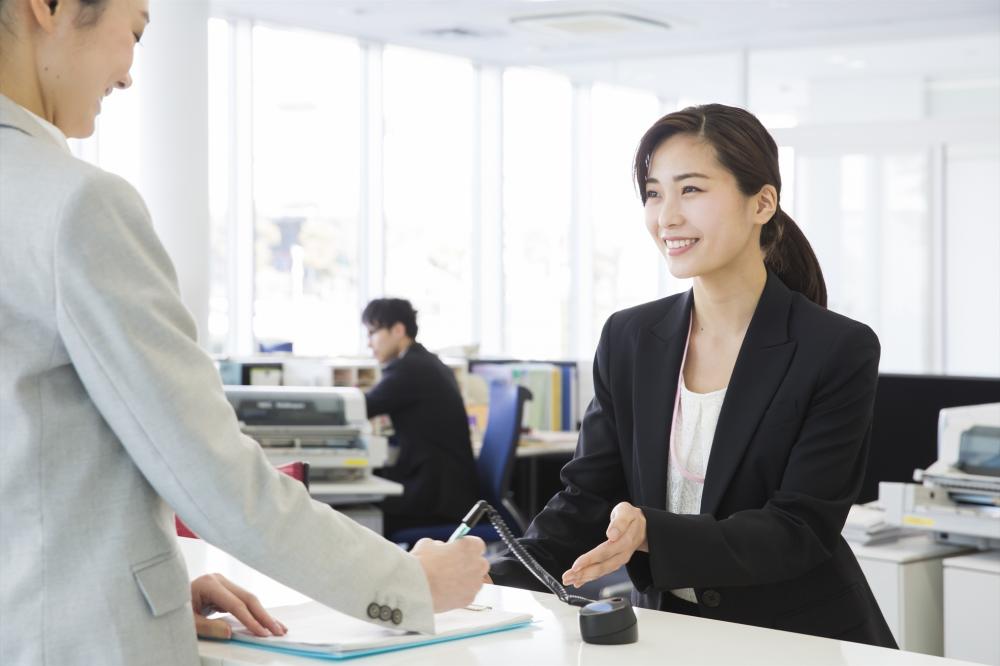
(556,32)
(675,47)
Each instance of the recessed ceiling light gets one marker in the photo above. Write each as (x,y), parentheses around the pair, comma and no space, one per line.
(590,23)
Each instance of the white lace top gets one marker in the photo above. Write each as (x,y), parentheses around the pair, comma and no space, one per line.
(699,414)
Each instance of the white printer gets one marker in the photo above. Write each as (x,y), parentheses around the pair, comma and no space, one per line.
(959,495)
(326,427)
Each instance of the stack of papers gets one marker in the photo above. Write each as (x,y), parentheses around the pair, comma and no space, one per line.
(866,526)
(317,631)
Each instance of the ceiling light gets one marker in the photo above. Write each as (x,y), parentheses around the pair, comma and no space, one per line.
(590,23)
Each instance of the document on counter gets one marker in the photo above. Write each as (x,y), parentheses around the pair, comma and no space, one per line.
(320,632)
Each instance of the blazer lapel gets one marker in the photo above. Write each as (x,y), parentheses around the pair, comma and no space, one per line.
(759,370)
(658,358)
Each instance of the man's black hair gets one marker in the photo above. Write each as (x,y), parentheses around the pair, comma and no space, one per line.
(387,312)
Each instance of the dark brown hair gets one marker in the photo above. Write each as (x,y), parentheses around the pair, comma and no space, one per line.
(90,12)
(745,149)
(387,312)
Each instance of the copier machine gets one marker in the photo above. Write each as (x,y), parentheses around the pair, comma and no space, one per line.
(958,497)
(326,427)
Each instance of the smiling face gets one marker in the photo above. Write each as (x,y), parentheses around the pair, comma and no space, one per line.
(80,64)
(695,212)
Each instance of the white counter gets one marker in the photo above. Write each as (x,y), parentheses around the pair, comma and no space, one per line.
(554,639)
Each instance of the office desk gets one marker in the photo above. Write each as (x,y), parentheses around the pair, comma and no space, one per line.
(532,448)
(554,638)
(370,489)
(356,499)
(540,443)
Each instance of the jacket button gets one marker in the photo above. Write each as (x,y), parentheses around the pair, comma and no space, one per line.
(397,616)
(711,598)
(373,610)
(385,613)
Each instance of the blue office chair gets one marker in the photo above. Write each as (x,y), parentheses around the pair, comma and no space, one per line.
(494,467)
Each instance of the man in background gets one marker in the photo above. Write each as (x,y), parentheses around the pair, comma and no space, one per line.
(421,396)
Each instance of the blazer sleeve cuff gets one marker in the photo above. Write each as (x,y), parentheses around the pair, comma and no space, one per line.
(671,560)
(639,571)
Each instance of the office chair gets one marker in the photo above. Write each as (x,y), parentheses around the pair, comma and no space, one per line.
(296,470)
(494,467)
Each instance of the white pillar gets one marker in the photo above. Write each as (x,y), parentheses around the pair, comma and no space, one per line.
(173,143)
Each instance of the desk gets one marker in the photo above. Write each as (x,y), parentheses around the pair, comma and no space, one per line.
(554,639)
(532,448)
(540,443)
(370,489)
(355,498)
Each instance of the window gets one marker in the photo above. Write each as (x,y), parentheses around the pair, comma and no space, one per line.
(536,213)
(626,261)
(878,172)
(428,183)
(306,189)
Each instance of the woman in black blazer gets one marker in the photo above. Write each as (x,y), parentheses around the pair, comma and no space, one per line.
(787,455)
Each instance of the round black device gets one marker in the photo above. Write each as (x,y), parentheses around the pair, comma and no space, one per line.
(609,622)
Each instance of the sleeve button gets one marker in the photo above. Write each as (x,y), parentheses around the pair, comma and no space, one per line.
(385,613)
(397,616)
(373,610)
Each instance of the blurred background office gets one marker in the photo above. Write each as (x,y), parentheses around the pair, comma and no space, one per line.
(303,157)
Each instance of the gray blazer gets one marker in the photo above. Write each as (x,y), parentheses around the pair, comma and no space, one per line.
(110,414)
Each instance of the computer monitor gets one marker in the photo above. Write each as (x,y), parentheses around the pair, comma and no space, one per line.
(904,428)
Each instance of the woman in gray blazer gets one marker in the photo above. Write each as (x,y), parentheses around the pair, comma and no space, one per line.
(110,414)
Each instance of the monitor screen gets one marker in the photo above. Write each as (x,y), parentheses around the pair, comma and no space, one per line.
(905,422)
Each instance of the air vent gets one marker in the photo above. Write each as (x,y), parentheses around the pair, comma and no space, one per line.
(590,23)
(458,32)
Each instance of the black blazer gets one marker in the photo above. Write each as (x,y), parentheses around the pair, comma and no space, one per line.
(787,462)
(435,464)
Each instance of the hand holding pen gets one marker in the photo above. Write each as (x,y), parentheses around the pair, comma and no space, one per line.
(454,570)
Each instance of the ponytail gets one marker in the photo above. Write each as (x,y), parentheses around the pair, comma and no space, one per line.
(788,254)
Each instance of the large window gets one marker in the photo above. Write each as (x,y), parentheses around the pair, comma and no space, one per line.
(892,197)
(536,213)
(888,154)
(626,262)
(306,182)
(866,216)
(428,185)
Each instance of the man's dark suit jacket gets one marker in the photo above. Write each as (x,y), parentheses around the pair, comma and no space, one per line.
(787,462)
(435,464)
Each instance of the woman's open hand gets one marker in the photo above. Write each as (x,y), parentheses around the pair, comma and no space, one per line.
(626,534)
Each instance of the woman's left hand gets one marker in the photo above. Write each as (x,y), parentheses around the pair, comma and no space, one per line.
(214,593)
(626,534)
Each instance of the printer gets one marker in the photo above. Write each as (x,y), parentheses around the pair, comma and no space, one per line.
(958,497)
(325,427)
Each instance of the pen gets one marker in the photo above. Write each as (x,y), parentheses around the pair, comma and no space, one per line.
(477,511)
